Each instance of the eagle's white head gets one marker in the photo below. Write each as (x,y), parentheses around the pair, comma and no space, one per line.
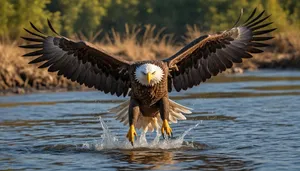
(148,74)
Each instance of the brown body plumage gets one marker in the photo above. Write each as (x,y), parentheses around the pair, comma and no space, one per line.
(149,95)
(149,106)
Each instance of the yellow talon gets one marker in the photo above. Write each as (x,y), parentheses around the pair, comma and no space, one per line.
(131,134)
(166,128)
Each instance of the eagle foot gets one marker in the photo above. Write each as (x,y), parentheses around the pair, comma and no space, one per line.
(166,128)
(131,134)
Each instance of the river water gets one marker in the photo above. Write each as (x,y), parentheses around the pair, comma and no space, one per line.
(239,122)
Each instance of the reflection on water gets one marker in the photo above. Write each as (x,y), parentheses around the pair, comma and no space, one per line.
(156,158)
(170,160)
(153,159)
(239,122)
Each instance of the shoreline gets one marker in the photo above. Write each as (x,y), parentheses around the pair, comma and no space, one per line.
(283,63)
(18,77)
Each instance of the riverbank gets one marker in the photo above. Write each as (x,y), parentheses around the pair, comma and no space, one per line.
(17,77)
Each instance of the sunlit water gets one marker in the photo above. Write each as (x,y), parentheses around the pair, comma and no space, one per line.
(239,122)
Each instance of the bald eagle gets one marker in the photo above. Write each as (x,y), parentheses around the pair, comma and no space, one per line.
(149,82)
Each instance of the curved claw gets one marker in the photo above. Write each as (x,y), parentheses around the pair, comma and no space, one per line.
(131,134)
(166,128)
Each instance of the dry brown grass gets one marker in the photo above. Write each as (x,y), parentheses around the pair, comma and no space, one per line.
(287,42)
(192,32)
(153,44)
(15,72)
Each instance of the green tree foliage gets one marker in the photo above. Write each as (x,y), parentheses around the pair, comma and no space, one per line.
(278,13)
(292,8)
(89,16)
(223,14)
(82,16)
(7,11)
(120,12)
(16,14)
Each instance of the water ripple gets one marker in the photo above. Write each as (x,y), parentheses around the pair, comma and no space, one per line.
(247,122)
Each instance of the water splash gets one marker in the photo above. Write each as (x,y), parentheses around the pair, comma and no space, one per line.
(110,141)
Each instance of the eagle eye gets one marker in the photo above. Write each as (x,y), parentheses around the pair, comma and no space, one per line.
(153,72)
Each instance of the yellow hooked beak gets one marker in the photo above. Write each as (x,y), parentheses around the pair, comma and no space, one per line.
(149,77)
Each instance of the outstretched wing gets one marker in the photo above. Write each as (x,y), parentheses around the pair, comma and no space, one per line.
(209,55)
(79,61)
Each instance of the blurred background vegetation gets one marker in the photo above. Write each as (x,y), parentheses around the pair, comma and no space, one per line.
(136,30)
(88,17)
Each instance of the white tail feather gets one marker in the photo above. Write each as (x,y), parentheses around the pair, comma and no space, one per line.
(177,112)
(119,107)
(121,113)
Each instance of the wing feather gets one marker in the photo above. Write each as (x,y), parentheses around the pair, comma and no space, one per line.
(79,61)
(209,55)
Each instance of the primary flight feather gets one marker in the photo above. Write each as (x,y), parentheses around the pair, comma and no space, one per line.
(148,82)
